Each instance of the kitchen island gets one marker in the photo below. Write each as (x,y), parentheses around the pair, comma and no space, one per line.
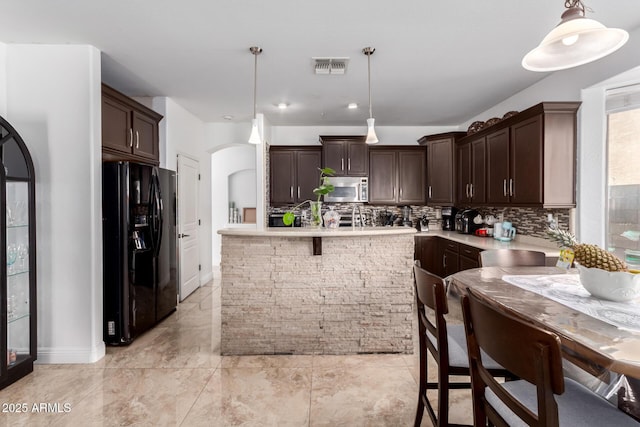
(355,295)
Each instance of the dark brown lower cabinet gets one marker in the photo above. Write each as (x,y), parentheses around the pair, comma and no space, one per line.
(444,257)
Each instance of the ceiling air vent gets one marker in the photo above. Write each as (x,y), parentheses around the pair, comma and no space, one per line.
(330,65)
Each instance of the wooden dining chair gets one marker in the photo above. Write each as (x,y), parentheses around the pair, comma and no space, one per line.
(446,343)
(511,258)
(542,397)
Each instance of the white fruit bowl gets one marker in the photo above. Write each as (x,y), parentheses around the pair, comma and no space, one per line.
(617,286)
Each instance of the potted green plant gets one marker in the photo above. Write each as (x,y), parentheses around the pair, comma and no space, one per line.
(324,188)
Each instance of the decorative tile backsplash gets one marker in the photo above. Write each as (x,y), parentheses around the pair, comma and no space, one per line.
(528,221)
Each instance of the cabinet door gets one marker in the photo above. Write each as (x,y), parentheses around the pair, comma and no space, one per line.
(357,154)
(333,153)
(478,171)
(450,263)
(427,253)
(282,176)
(116,125)
(468,257)
(307,174)
(498,167)
(412,178)
(440,169)
(383,177)
(526,180)
(463,181)
(145,138)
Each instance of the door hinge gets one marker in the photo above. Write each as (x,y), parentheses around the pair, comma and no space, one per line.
(199,267)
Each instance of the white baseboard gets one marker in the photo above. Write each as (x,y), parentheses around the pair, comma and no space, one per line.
(70,355)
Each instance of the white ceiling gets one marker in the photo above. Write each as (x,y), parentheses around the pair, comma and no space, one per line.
(436,62)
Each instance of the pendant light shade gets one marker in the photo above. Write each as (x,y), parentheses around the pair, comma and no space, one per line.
(372,138)
(575,41)
(255,132)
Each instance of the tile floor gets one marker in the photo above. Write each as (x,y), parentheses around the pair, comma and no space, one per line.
(174,376)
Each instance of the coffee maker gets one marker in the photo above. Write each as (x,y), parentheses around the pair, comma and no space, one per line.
(449,218)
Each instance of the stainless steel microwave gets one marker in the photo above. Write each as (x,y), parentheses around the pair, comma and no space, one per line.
(348,189)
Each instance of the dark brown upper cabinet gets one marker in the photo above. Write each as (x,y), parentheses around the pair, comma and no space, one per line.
(129,129)
(471,172)
(441,167)
(347,155)
(531,157)
(397,175)
(294,173)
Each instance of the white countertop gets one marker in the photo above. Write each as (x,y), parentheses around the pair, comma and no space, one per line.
(489,243)
(317,232)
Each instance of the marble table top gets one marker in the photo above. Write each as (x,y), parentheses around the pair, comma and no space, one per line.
(595,341)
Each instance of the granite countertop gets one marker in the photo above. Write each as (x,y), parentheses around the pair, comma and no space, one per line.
(489,243)
(317,232)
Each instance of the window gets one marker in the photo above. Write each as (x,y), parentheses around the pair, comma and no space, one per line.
(623,173)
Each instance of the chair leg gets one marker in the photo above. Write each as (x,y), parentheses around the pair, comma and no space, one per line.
(422,387)
(419,413)
(443,400)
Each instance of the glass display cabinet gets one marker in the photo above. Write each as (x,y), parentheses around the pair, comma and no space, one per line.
(18,249)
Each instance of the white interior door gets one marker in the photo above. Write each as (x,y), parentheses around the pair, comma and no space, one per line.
(188,224)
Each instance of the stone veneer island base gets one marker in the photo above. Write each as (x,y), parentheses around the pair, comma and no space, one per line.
(280,298)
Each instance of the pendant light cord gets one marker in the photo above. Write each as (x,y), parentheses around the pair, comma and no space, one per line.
(255,51)
(369,51)
(255,82)
(369,67)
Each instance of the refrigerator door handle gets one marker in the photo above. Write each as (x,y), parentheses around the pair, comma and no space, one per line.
(159,211)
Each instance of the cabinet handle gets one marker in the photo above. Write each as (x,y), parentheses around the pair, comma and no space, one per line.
(401,193)
(342,164)
(298,191)
(471,191)
(130,137)
(394,192)
(504,187)
(137,140)
(349,163)
(291,191)
(444,260)
(429,191)
(511,187)
(466,190)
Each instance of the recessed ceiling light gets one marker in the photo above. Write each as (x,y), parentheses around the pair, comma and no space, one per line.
(283,105)
(227,117)
(352,106)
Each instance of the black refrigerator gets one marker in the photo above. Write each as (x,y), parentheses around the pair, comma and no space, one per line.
(139,248)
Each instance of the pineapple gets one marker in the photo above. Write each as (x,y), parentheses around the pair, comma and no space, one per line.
(590,256)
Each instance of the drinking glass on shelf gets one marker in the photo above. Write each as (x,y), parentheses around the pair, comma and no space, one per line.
(10,216)
(23,251)
(12,253)
(19,212)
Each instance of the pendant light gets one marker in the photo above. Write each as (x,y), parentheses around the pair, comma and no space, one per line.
(255,133)
(576,40)
(371,132)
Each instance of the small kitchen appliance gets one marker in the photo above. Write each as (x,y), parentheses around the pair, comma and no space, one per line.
(449,218)
(465,223)
(423,225)
(406,216)
(354,189)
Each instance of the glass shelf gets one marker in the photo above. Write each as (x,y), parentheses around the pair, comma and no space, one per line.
(17,273)
(17,318)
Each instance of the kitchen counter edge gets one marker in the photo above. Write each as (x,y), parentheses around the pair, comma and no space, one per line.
(317,232)
(489,243)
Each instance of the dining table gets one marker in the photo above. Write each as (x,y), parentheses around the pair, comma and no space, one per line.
(600,337)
